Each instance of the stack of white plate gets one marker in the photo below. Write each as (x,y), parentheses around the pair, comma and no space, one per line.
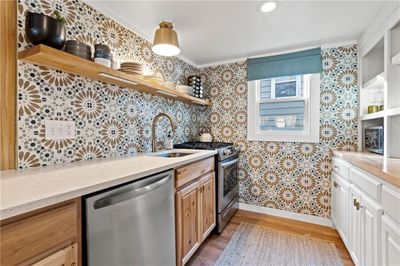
(132,68)
(102,61)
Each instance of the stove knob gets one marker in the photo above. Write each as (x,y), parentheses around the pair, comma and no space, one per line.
(227,152)
(237,149)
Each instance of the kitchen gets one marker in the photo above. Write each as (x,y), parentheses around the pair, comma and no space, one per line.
(173,133)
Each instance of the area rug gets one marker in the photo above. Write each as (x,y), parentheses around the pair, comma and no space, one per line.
(258,245)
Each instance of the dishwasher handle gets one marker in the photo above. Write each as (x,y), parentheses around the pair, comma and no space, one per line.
(130,194)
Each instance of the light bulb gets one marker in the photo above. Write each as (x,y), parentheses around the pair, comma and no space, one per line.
(268,7)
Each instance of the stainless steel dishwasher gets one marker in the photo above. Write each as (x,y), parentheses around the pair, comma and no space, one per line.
(132,224)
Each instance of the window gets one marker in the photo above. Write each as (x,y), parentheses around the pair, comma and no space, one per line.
(284,108)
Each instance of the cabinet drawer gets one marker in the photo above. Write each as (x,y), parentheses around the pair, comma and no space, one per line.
(341,167)
(391,202)
(65,257)
(37,235)
(366,183)
(190,172)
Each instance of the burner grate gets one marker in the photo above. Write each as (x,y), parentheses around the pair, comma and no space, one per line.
(203,145)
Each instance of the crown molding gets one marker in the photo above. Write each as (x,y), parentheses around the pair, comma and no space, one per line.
(339,44)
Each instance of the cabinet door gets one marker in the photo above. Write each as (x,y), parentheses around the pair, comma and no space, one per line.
(370,224)
(335,208)
(37,235)
(390,241)
(344,210)
(207,202)
(340,206)
(187,213)
(355,225)
(65,257)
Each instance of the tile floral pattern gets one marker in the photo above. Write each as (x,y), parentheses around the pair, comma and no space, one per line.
(285,175)
(110,120)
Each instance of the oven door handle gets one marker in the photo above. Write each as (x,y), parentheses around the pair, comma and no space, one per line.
(223,165)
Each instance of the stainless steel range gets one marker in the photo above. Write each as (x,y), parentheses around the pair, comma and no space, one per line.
(226,177)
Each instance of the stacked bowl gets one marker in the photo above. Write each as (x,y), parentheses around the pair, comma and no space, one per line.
(79,49)
(102,54)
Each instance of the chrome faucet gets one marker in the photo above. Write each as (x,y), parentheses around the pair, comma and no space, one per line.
(153,128)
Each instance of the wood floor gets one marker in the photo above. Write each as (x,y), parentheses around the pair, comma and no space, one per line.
(212,248)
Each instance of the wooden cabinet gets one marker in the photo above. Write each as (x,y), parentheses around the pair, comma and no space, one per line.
(189,173)
(207,203)
(64,257)
(45,235)
(390,241)
(195,207)
(187,207)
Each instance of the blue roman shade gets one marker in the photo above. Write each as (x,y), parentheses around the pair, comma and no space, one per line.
(298,63)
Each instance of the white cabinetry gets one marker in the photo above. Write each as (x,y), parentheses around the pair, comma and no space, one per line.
(390,241)
(365,211)
(371,214)
(379,70)
(340,206)
(355,230)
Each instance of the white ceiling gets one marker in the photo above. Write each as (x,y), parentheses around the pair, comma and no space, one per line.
(212,32)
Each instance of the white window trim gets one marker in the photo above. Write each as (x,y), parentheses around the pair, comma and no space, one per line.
(311,116)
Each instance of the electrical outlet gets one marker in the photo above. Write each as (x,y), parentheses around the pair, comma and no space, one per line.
(58,129)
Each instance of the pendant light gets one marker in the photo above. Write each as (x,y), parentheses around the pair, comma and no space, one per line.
(166,40)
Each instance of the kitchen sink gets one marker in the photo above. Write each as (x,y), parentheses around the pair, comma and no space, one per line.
(173,154)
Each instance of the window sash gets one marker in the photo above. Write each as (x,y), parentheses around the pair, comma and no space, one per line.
(309,135)
(274,82)
(305,98)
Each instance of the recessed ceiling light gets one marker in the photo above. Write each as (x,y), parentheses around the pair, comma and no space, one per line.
(268,7)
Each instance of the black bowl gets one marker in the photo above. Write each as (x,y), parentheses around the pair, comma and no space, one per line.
(102,55)
(101,47)
(42,29)
(73,44)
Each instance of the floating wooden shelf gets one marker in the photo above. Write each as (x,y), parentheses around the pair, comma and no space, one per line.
(52,58)
(396,59)
(376,82)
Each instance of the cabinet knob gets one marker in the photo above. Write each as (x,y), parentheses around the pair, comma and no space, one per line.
(335,184)
(356,204)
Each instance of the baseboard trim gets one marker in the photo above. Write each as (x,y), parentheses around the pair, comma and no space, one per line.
(286,214)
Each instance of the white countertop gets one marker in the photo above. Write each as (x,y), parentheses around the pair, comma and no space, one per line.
(27,190)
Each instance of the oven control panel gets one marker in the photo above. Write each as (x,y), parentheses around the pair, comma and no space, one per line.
(229,152)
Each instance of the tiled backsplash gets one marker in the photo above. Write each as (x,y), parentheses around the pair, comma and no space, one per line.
(283,175)
(109,120)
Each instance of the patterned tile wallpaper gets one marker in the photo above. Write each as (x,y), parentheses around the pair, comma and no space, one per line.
(283,175)
(110,120)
